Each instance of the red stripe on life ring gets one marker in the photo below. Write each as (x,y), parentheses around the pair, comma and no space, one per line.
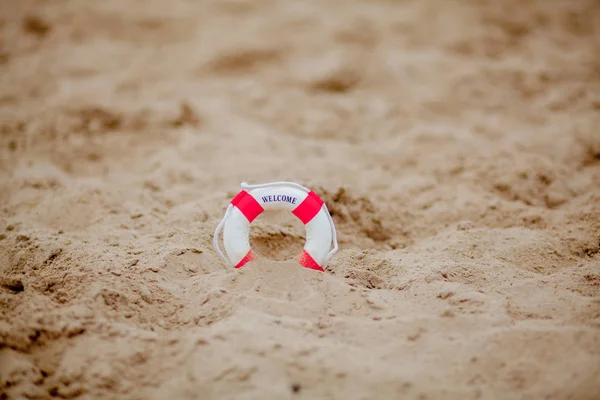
(247,258)
(308,262)
(247,205)
(310,207)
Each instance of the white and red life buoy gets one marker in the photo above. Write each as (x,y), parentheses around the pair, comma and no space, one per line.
(305,204)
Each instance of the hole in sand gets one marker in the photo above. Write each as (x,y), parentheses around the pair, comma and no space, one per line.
(277,235)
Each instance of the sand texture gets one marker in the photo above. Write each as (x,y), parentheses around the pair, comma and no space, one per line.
(456,144)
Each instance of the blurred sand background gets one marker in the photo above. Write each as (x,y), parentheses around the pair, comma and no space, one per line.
(456,143)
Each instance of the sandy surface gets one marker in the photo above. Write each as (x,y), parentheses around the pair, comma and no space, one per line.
(456,143)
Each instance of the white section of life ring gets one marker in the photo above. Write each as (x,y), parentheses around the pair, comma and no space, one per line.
(320,230)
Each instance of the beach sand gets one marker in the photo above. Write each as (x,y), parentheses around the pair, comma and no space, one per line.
(456,144)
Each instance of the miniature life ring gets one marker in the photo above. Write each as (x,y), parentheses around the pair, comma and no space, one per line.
(249,203)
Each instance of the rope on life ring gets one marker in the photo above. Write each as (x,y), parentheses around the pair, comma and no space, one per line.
(252,200)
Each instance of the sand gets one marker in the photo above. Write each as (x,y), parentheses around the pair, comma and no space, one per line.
(456,143)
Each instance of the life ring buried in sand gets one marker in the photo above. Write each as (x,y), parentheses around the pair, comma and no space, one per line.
(248,204)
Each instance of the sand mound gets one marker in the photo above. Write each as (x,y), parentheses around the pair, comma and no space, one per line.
(456,145)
